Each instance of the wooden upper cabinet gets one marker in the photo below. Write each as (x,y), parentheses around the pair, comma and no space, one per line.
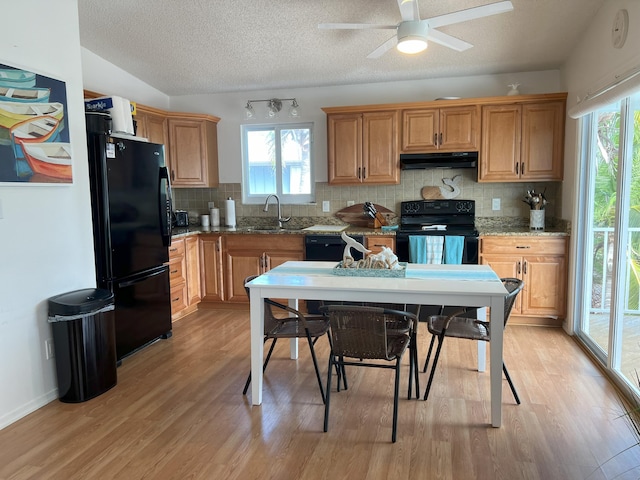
(543,141)
(193,150)
(363,148)
(500,151)
(522,142)
(152,125)
(451,129)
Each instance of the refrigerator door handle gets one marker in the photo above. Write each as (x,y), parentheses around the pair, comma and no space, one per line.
(129,283)
(165,207)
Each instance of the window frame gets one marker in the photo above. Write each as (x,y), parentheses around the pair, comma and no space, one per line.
(285,199)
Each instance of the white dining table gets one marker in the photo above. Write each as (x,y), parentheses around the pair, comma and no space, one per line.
(458,285)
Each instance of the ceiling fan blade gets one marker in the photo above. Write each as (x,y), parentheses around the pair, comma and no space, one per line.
(388,45)
(409,10)
(354,26)
(470,14)
(448,41)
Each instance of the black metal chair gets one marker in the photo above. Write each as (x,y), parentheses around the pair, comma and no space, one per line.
(299,325)
(367,333)
(441,326)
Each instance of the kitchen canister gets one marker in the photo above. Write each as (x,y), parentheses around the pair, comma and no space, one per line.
(230,206)
(536,220)
(204,220)
(214,215)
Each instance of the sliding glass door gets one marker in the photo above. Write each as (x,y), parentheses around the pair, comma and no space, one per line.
(608,295)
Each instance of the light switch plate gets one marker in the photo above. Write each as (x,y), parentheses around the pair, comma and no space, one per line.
(495,204)
(326,206)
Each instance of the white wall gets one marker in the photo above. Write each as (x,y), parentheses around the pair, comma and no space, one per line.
(230,106)
(46,244)
(104,77)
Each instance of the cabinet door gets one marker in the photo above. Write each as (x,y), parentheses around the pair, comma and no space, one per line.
(420,130)
(542,141)
(458,129)
(344,144)
(380,161)
(211,268)
(544,285)
(506,266)
(500,148)
(239,264)
(192,258)
(193,152)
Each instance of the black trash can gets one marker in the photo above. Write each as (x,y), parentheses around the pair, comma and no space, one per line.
(84,340)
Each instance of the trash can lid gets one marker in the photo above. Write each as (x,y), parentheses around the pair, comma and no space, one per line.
(80,302)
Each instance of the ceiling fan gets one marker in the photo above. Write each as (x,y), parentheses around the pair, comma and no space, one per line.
(412,33)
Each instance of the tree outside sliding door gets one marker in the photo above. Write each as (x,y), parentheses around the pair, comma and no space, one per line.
(609,320)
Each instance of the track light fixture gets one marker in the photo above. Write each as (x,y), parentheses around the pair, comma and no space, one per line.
(274,106)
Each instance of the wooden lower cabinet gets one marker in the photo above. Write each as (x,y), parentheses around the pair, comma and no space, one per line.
(542,264)
(177,277)
(246,255)
(184,275)
(211,267)
(192,258)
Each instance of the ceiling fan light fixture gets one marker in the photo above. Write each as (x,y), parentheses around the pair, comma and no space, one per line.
(412,36)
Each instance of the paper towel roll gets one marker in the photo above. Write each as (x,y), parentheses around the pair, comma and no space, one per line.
(214,213)
(231,212)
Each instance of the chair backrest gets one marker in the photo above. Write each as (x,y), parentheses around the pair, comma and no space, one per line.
(270,320)
(361,332)
(514,286)
(247,280)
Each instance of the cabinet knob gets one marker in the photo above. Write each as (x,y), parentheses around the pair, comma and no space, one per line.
(435,139)
(517,168)
(522,168)
(518,268)
(364,172)
(523,246)
(440,139)
(525,267)
(359,171)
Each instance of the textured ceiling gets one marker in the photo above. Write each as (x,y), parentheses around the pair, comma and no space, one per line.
(215,46)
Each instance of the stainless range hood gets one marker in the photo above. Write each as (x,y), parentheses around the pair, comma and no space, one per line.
(421,161)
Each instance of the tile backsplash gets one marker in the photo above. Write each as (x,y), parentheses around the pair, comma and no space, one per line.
(195,200)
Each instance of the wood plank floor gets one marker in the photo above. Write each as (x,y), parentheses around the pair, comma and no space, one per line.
(178,413)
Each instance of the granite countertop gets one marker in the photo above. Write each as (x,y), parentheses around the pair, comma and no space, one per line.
(486,226)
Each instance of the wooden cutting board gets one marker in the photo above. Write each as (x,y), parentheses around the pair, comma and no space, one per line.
(354,215)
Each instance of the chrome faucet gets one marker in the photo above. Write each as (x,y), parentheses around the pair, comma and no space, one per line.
(266,208)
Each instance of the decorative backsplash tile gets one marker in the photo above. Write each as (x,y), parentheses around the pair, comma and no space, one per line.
(195,200)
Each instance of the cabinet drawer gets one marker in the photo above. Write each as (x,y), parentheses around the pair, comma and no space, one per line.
(376,242)
(523,245)
(176,271)
(178,298)
(176,249)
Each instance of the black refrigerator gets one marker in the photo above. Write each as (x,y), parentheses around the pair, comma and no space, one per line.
(131,208)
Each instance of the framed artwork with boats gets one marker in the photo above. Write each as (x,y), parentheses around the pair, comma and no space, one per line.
(34,132)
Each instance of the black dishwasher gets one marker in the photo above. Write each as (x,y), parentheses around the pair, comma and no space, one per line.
(327,248)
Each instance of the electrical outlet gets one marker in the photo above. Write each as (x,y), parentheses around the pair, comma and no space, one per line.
(350,203)
(326,206)
(495,204)
(211,205)
(48,349)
